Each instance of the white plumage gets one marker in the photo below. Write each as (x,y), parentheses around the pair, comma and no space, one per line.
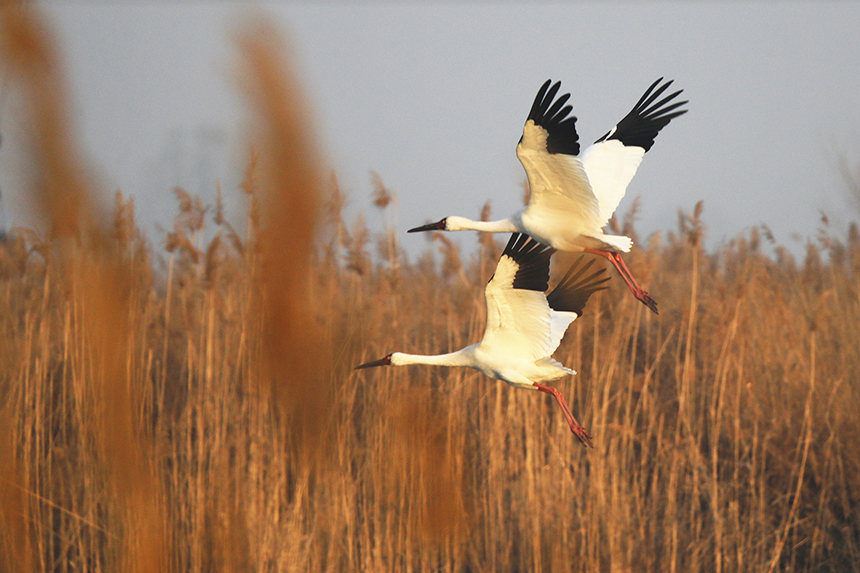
(572,196)
(524,326)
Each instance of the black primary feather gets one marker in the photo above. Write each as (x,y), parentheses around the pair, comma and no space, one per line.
(641,125)
(573,291)
(533,261)
(553,117)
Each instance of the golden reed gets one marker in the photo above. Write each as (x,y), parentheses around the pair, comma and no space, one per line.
(194,408)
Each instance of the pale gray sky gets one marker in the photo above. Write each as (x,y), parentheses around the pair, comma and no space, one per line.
(433,98)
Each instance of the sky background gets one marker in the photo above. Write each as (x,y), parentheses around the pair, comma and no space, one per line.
(434,97)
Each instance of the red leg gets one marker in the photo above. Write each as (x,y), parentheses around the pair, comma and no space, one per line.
(620,266)
(575,427)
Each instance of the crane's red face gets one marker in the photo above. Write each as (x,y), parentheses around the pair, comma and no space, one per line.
(437,226)
(381,362)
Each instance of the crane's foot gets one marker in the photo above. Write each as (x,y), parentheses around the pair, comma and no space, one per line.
(583,436)
(575,426)
(646,299)
(619,264)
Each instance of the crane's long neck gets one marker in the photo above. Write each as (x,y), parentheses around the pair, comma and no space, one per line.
(500,226)
(460,358)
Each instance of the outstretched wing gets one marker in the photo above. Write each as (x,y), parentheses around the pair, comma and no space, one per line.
(568,298)
(611,162)
(518,316)
(549,150)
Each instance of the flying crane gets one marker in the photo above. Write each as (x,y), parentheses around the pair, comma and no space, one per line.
(572,196)
(524,326)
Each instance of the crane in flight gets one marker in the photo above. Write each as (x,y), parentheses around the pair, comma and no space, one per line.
(524,326)
(572,196)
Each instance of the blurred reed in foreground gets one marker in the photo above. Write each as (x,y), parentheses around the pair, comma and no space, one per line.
(207,417)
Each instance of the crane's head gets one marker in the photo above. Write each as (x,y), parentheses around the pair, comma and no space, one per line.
(437,226)
(386,361)
(446,224)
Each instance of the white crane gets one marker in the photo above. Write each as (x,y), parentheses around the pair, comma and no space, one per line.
(524,327)
(572,197)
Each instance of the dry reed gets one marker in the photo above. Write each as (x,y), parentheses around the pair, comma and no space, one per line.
(206,417)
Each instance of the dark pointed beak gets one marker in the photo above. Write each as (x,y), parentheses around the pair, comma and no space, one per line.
(381,362)
(437,226)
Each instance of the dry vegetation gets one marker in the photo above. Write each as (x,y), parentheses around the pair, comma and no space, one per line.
(194,408)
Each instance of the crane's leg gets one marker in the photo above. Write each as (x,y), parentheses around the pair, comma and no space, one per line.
(619,264)
(575,427)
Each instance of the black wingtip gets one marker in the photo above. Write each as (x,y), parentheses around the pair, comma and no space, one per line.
(573,291)
(553,117)
(646,119)
(533,259)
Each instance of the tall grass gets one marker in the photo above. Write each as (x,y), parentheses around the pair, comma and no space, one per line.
(192,406)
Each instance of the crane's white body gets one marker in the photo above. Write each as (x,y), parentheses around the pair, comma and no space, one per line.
(517,370)
(524,326)
(565,210)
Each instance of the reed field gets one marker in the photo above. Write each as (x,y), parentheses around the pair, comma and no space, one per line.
(187,402)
